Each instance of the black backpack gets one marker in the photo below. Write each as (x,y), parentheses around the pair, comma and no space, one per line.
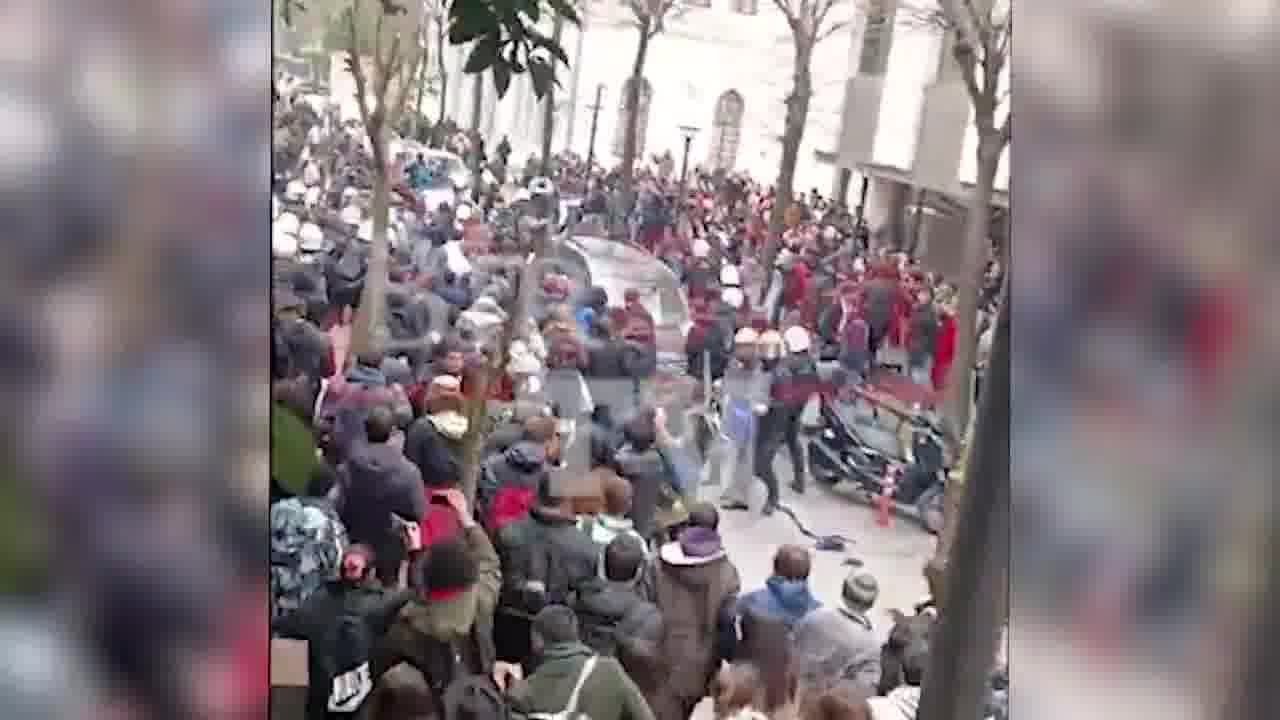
(460,694)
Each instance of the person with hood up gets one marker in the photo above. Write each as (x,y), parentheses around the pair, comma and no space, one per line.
(434,441)
(509,481)
(342,623)
(592,308)
(546,559)
(616,620)
(347,403)
(571,679)
(695,587)
(836,648)
(786,595)
(451,613)
(612,520)
(376,483)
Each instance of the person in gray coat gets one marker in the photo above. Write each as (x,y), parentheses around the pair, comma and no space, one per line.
(835,647)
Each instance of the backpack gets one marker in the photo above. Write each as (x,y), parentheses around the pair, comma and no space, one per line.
(570,711)
(458,692)
(307,541)
(347,650)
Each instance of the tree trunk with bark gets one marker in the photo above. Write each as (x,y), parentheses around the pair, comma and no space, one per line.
(959,397)
(437,133)
(792,137)
(369,328)
(631,140)
(549,106)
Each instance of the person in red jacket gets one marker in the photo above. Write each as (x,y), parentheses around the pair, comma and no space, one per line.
(944,348)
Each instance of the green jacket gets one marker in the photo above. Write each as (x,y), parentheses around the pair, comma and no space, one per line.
(466,619)
(608,694)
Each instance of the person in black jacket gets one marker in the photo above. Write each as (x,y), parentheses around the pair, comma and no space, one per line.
(794,381)
(342,623)
(611,611)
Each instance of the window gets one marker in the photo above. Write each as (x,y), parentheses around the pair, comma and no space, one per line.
(877,38)
(726,131)
(642,118)
(746,7)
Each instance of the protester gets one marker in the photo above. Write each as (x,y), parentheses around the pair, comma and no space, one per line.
(612,521)
(572,679)
(509,481)
(615,618)
(836,648)
(745,402)
(794,381)
(307,542)
(434,441)
(786,594)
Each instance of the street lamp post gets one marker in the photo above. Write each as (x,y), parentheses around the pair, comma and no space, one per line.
(595,117)
(687,132)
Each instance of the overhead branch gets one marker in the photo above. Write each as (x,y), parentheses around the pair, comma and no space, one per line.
(1006,130)
(832,29)
(353,62)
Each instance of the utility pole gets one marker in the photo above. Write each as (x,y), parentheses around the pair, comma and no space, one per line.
(595,119)
(687,132)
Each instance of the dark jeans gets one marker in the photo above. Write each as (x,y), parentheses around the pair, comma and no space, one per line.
(779,426)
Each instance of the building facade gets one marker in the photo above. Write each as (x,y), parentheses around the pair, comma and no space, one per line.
(721,66)
(907,126)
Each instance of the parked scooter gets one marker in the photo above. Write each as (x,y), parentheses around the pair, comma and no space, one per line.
(840,455)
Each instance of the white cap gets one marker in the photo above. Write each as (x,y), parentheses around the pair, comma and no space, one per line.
(733,297)
(463,213)
(730,277)
(295,190)
(700,248)
(351,215)
(313,197)
(283,245)
(365,231)
(797,339)
(287,223)
(310,238)
(746,336)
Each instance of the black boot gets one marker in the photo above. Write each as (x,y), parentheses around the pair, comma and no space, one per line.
(769,508)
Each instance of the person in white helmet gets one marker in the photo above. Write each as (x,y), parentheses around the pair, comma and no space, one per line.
(745,401)
(792,383)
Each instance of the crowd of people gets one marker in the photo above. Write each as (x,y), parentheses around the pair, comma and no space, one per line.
(483,510)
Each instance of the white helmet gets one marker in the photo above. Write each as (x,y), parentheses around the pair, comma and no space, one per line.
(746,336)
(729,276)
(700,248)
(859,265)
(771,343)
(523,195)
(288,223)
(313,197)
(351,215)
(365,231)
(284,246)
(310,238)
(797,339)
(829,232)
(295,191)
(463,213)
(311,174)
(349,194)
(733,297)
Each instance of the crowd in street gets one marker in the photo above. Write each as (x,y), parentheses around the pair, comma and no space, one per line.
(482,509)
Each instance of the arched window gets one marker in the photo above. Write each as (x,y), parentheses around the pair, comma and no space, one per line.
(726,131)
(642,119)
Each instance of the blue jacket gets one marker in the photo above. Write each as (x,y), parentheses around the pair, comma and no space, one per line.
(787,600)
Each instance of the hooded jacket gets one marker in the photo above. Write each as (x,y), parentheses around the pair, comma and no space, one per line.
(612,613)
(607,694)
(434,445)
(377,482)
(787,600)
(835,648)
(650,481)
(691,598)
(520,465)
(465,619)
(546,548)
(901,703)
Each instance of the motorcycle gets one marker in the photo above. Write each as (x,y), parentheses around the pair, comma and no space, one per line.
(840,454)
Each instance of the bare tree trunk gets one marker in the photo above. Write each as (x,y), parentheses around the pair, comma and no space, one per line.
(437,136)
(549,106)
(473,441)
(368,330)
(793,136)
(631,140)
(477,103)
(959,398)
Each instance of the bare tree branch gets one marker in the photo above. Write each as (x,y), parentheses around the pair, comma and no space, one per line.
(1006,130)
(832,29)
(789,11)
(353,59)
(823,8)
(402,97)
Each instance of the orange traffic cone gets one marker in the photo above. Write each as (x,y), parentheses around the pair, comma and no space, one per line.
(884,504)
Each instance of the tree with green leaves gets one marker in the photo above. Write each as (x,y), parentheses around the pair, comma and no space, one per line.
(650,18)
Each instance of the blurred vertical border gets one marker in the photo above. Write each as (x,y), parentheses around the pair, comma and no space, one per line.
(1143,464)
(134,200)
